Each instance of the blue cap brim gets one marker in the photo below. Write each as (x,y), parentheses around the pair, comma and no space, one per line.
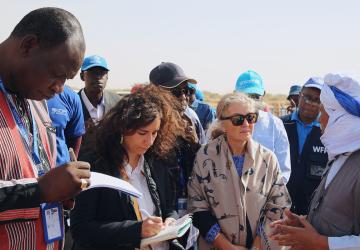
(92,66)
(251,90)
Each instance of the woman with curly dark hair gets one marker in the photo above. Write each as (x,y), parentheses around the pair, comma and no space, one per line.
(142,127)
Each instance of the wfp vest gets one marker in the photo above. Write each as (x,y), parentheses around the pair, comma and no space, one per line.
(306,168)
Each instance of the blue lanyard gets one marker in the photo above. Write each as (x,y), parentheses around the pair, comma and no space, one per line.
(35,149)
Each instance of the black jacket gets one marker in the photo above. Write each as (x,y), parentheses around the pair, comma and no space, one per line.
(306,168)
(105,219)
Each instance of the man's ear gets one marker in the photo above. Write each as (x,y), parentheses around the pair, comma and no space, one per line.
(28,43)
(82,75)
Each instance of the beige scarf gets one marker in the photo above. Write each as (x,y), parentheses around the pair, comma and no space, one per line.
(259,194)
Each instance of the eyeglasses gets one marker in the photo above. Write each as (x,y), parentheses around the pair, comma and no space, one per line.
(238,119)
(309,100)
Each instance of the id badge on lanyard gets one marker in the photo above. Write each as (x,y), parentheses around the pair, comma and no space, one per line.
(51,214)
(52,221)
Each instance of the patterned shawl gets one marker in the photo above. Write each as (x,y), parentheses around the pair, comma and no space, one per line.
(259,194)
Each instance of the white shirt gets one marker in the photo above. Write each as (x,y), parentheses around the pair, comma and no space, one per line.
(270,132)
(96,113)
(146,205)
(138,180)
(349,242)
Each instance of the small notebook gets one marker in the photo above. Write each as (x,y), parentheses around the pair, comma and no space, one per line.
(102,180)
(171,232)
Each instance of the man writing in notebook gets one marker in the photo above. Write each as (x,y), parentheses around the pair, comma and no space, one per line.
(45,48)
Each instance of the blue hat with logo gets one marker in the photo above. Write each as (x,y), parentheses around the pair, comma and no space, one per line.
(94,61)
(250,82)
(314,82)
(198,94)
(294,90)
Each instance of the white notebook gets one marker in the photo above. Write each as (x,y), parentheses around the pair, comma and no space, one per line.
(171,232)
(102,180)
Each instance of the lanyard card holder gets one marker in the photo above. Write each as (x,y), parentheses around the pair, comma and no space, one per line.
(51,214)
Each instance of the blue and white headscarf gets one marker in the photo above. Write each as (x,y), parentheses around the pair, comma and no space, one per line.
(340,96)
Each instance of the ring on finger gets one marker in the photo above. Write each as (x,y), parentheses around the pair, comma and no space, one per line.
(84,184)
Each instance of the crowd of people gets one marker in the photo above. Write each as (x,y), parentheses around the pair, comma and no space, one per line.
(251,180)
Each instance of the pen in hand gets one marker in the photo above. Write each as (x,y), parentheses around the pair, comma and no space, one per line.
(147,215)
(72,155)
(144,212)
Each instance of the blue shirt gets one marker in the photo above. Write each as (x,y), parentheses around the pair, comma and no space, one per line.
(205,113)
(270,132)
(239,163)
(190,113)
(303,130)
(66,113)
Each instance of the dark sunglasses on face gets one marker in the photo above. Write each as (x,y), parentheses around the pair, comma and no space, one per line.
(254,96)
(179,91)
(238,119)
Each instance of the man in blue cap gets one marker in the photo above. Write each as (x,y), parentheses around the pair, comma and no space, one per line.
(269,130)
(205,113)
(293,98)
(308,154)
(96,101)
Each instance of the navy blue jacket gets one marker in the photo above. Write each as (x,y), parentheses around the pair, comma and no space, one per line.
(306,168)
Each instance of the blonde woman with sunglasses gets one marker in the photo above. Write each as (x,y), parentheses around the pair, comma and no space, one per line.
(236,187)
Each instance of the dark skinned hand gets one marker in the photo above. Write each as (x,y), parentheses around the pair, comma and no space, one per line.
(297,232)
(63,182)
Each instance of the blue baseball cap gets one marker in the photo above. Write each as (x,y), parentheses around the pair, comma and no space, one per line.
(314,82)
(294,90)
(198,94)
(94,61)
(250,82)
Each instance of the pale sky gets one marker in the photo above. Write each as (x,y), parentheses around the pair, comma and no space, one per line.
(286,41)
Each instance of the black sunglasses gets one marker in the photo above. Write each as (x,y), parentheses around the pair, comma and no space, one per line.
(238,119)
(179,91)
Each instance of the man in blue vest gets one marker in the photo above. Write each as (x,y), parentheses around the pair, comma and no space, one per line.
(308,154)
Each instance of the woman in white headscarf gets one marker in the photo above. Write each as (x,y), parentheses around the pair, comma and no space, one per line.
(334,215)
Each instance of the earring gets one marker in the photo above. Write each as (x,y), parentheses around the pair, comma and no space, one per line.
(121,139)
